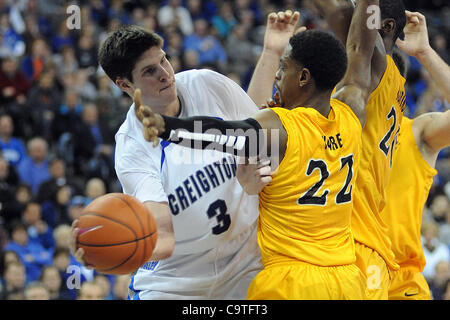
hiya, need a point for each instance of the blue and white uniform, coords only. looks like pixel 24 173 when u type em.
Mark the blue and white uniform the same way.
pixel 216 254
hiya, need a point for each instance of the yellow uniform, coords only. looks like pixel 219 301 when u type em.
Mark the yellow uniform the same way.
pixel 384 112
pixel 407 193
pixel 307 247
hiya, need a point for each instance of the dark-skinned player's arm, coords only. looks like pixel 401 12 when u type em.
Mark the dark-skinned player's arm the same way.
pixel 338 15
pixel 354 89
pixel 247 138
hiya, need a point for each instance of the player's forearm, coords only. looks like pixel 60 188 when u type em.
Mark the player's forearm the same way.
pixel 438 69
pixel 261 84
pixel 166 238
pixel 240 138
pixel 338 16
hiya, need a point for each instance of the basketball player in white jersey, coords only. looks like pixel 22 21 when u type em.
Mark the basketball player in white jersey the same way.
pixel 206 223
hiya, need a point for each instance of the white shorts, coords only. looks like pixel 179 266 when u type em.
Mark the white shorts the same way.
pixel 223 273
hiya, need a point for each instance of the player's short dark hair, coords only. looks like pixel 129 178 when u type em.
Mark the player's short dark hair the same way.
pixel 120 50
pixel 322 54
pixel 394 9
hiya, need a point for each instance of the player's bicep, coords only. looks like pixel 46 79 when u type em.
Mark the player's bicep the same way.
pixel 436 131
pixel 275 135
pixel 164 227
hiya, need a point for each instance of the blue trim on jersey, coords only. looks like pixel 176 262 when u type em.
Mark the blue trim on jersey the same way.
pixel 164 144
pixel 136 292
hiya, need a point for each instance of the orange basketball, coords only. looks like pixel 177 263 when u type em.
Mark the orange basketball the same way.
pixel 117 233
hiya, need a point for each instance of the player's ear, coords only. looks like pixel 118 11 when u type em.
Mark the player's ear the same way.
pixel 125 85
pixel 304 77
pixel 388 26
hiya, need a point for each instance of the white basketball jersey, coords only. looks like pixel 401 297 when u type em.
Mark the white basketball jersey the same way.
pixel 216 253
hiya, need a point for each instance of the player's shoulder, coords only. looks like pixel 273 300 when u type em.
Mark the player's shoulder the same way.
pixel 197 76
pixel 129 135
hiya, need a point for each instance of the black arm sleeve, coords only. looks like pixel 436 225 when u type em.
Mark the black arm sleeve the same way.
pixel 242 138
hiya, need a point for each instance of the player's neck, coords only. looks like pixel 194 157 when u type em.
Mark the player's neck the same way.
pixel 173 109
pixel 320 102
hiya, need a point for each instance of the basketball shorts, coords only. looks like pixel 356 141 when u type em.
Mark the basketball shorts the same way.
pixel 376 271
pixel 303 281
pixel 407 284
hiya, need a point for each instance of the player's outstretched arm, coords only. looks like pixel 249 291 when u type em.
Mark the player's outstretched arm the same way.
pixel 166 237
pixel 354 89
pixel 337 14
pixel 417 44
pixel 280 27
pixel 433 131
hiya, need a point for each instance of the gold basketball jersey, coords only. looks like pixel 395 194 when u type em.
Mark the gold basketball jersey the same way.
pixel 305 211
pixel 407 192
pixel 384 112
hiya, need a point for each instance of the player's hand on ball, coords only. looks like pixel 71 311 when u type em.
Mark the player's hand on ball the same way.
pixel 153 122
pixel 254 175
pixel 77 253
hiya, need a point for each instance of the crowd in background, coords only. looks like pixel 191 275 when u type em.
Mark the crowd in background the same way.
pixel 59 113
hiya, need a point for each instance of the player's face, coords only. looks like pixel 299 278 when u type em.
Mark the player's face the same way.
pixel 286 79
pixel 154 75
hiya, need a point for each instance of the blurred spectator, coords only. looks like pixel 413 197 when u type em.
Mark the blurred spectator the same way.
pixel 44 100
pixel 439 43
pixel 103 281
pixel 62 38
pixel 12 148
pixel 76 206
pixel 14 281
pixel 440 206
pixel 86 52
pixel 86 90
pixel 438 285
pixel 195 8
pixel 434 250
pixel 51 278
pixel 94 145
pixel 32 254
pixel 68 117
pixel 66 61
pixel 225 21
pixel 120 288
pixel 12 44
pixel 91 291
pixel 38 230
pixel 13 207
pixel 62 261
pixel 208 47
pixel 242 53
pixel 33 169
pixel 95 188
pixel 444 230
pixel 55 209
pixel 14 85
pixel 33 64
pixel 58 178
pixel 173 14
pixel 36 291
pixel 7 256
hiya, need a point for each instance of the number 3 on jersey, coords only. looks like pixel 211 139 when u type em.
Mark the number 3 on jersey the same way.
pixel 309 198
pixel 218 209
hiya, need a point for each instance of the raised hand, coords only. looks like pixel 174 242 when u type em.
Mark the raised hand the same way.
pixel 416 40
pixel 280 28
pixel 153 122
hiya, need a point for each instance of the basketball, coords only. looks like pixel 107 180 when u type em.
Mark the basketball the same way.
pixel 117 232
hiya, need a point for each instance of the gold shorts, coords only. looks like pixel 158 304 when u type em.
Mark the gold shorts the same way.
pixel 303 281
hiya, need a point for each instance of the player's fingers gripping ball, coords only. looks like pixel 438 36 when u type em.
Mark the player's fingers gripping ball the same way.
pixel 117 233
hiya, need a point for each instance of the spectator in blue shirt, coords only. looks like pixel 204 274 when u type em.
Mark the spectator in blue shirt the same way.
pixel 11 148
pixel 33 169
pixel 32 254
pixel 209 49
